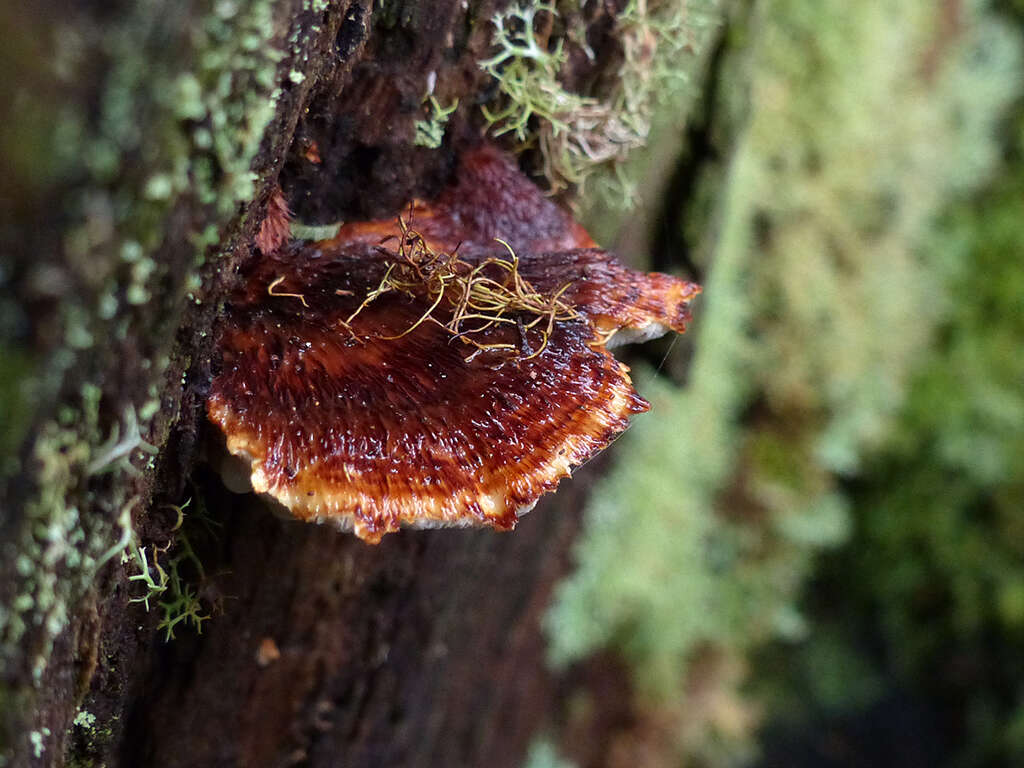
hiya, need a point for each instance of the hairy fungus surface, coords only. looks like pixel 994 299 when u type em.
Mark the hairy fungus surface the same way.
pixel 422 372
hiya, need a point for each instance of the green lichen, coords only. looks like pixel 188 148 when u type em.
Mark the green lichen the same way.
pixel 821 295
pixel 542 754
pixel 314 232
pixel 578 133
pixel 59 457
pixel 92 735
pixel 674 546
pixel 853 197
pixel 935 569
pixel 204 117
pixel 176 126
pixel 84 720
pixel 430 132
pixel 63 551
pixel 36 738
pixel 237 72
pixel 166 583
pixel 527 74
pixel 115 453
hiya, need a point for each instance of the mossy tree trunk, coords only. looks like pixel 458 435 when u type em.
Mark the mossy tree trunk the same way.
pixel 143 143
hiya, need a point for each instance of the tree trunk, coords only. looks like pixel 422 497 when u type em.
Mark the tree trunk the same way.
pixel 425 650
pixel 321 650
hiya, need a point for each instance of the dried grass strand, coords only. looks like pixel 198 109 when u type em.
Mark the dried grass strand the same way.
pixel 493 292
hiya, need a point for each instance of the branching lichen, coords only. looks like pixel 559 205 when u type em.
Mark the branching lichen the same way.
pixel 168 583
pixel 116 452
pixel 430 132
pixel 577 133
pixel 65 457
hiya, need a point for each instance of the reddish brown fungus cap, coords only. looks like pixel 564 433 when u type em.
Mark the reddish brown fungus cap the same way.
pixel 359 399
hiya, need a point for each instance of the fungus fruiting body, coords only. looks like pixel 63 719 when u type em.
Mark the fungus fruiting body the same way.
pixel 444 369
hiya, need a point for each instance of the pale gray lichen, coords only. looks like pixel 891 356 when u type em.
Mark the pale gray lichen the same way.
pixel 578 133
pixel 842 267
pixel 84 719
pixel 430 132
pixel 36 740
pixel 543 754
pixel 315 232
pixel 93 735
pixel 179 124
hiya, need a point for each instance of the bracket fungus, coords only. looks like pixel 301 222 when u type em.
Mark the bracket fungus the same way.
pixel 444 369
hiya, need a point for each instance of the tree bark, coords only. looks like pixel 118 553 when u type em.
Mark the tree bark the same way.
pixel 426 650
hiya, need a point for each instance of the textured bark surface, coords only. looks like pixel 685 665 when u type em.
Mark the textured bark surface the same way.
pixel 425 650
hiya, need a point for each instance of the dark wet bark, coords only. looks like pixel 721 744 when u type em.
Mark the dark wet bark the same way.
pixel 423 651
